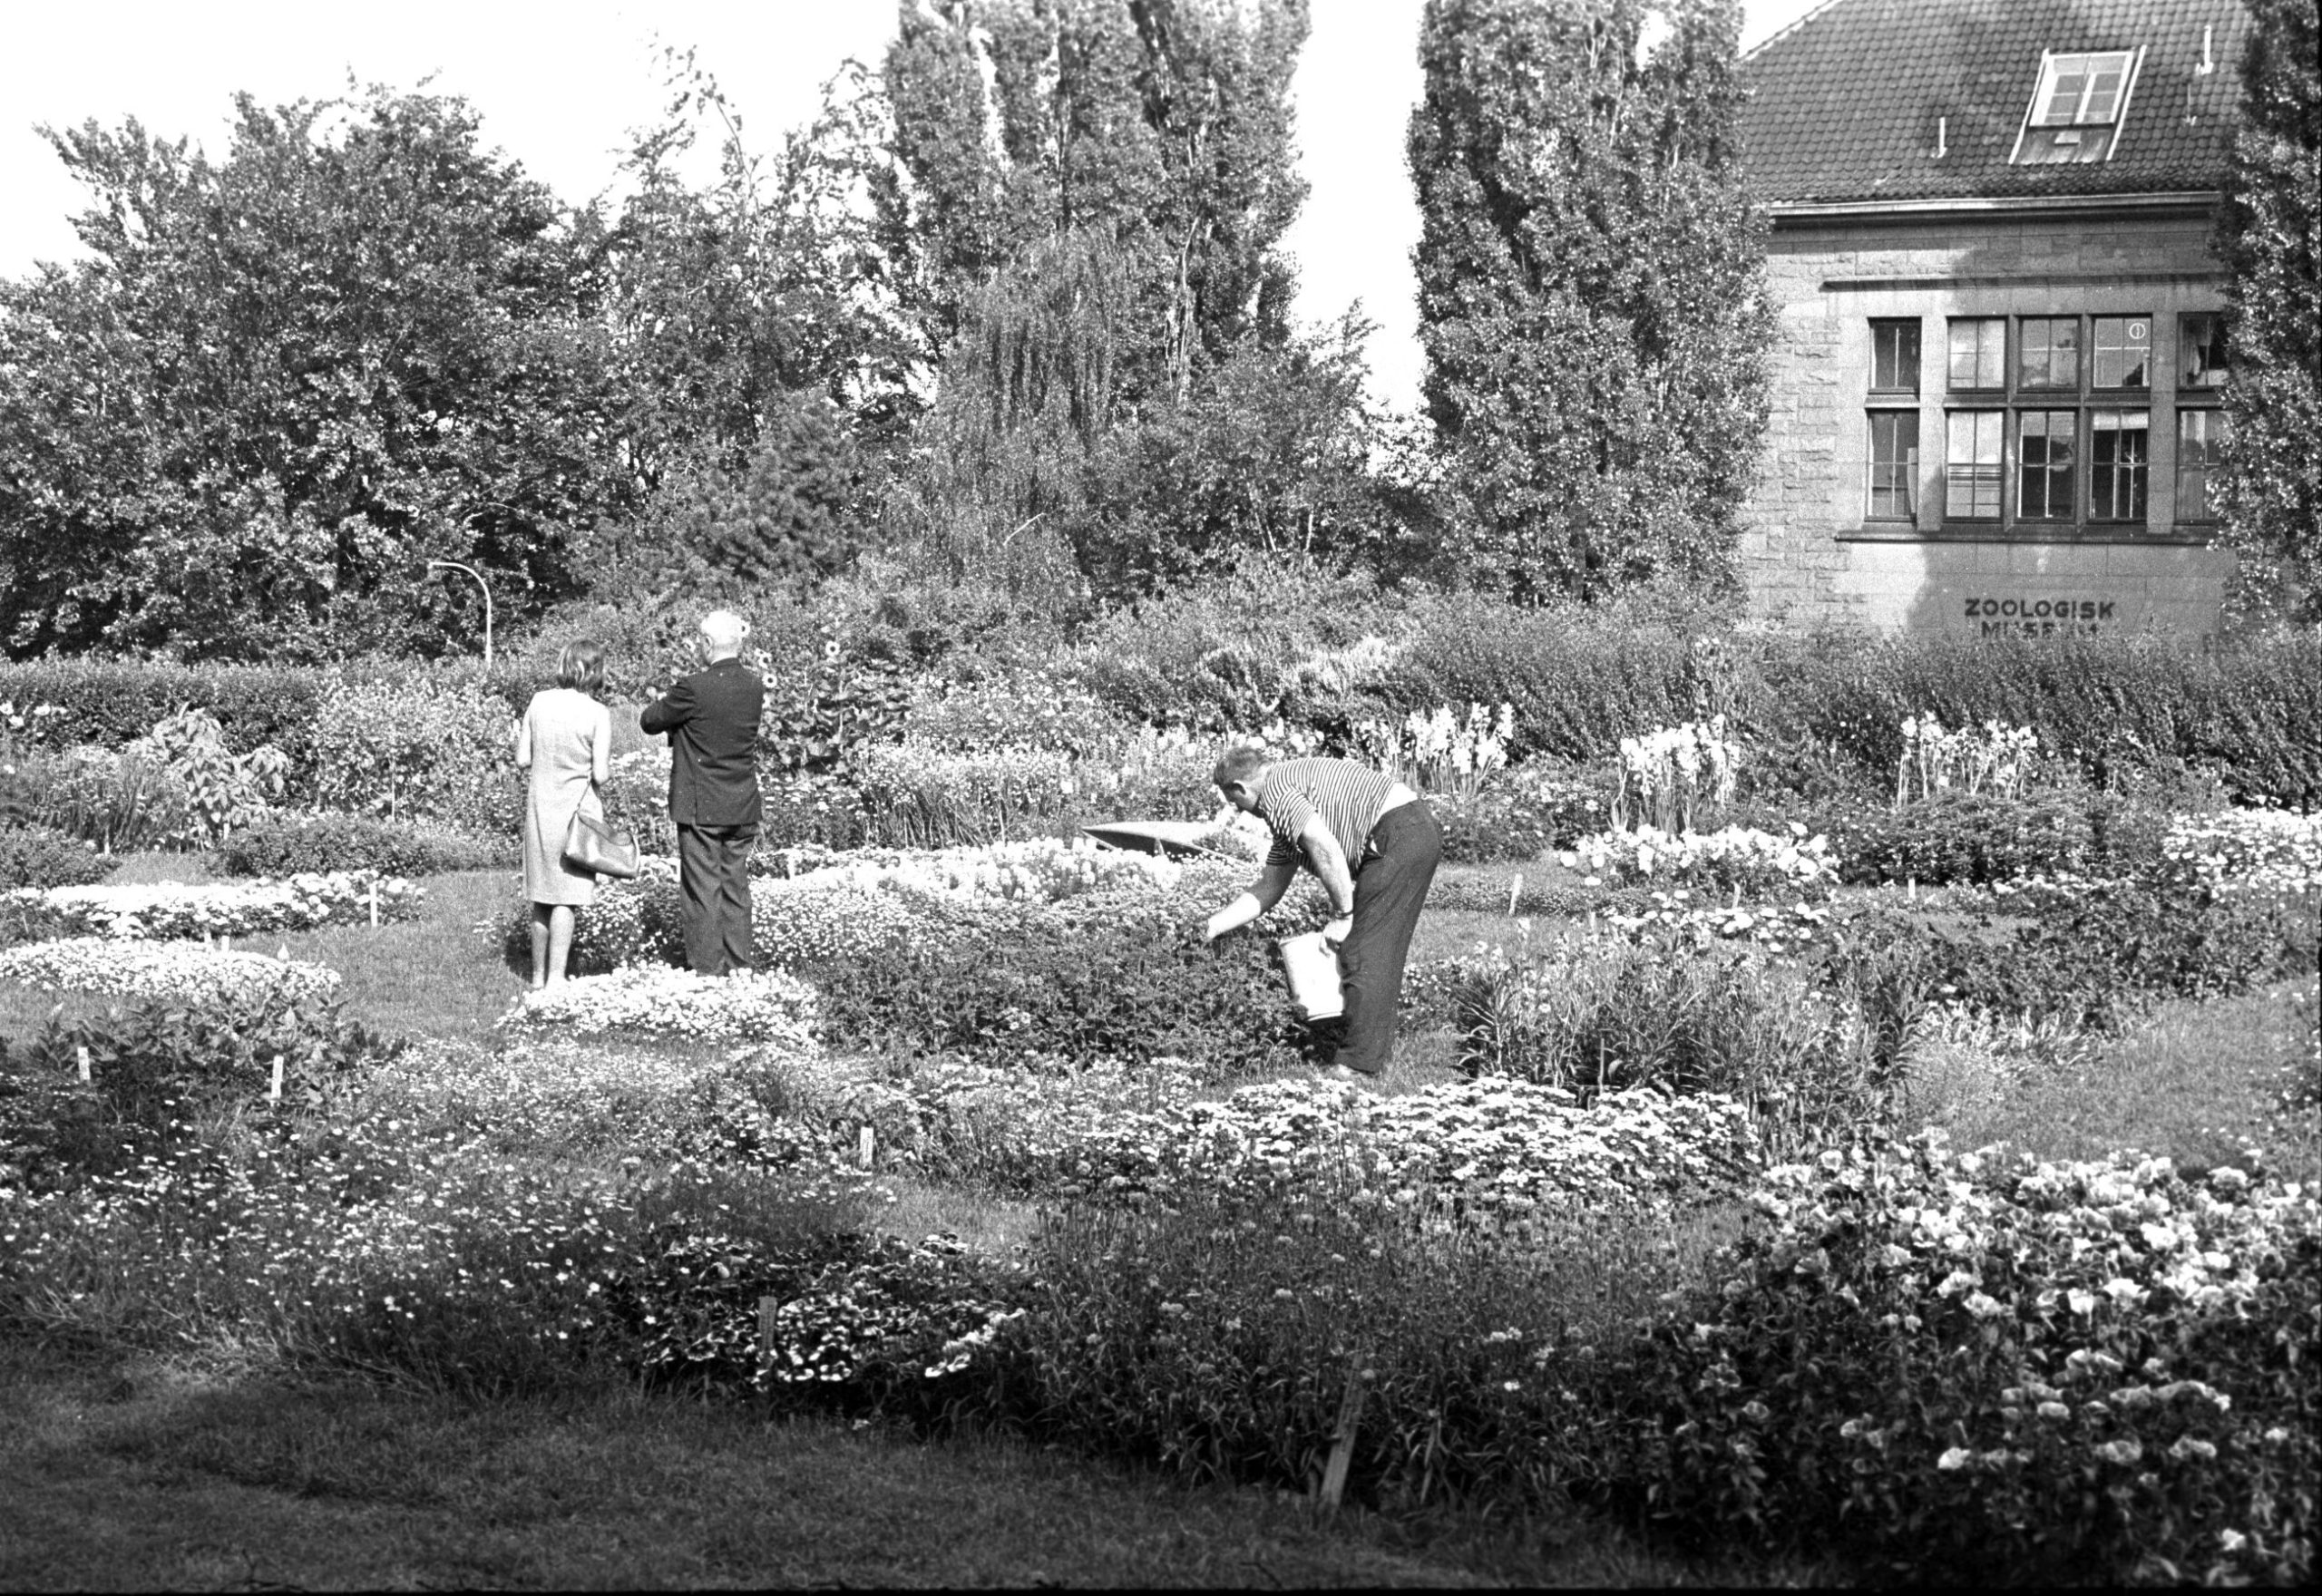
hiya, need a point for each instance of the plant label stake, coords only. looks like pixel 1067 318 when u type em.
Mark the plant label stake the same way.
pixel 1342 1442
pixel 84 1054
pixel 274 1089
pixel 1515 888
pixel 863 1146
pixel 374 905
pixel 767 1304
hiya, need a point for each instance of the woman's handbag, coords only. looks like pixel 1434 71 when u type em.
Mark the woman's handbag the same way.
pixel 591 845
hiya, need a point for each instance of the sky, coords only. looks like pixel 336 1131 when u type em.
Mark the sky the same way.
pixel 558 85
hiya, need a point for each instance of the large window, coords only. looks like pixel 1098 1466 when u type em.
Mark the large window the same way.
pixel 2201 440
pixel 1972 464
pixel 2116 464
pixel 2047 420
pixel 2201 351
pixel 1894 464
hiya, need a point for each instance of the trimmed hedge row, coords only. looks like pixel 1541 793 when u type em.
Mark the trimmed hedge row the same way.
pixel 1817 707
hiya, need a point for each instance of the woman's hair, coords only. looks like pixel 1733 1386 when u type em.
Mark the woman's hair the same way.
pixel 580 665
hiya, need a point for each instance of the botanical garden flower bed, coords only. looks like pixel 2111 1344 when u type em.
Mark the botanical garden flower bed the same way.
pixel 165 910
pixel 186 972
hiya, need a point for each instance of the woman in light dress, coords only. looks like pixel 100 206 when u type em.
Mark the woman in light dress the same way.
pixel 566 741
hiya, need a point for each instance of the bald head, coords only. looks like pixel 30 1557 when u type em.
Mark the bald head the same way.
pixel 722 632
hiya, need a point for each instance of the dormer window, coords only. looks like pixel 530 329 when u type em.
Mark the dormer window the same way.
pixel 2077 110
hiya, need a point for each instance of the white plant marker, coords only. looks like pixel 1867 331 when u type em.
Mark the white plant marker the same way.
pixel 83 1052
pixel 274 1091
pixel 863 1146
pixel 375 903
pixel 1514 889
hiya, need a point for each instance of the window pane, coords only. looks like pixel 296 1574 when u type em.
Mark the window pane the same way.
pixel 1979 353
pixel 2044 462
pixel 2123 352
pixel 1894 357
pixel 2116 464
pixel 1971 464
pixel 2200 439
pixel 2201 351
pixel 2103 98
pixel 1894 464
pixel 2069 80
pixel 2049 352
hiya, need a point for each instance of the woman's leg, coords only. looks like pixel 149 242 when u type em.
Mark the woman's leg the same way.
pixel 560 942
pixel 540 945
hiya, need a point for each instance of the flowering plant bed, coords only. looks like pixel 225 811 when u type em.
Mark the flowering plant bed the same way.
pixel 2248 849
pixel 654 1001
pixel 1737 856
pixel 186 972
pixel 165 910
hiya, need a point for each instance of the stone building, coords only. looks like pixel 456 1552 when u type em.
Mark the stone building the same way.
pixel 1996 389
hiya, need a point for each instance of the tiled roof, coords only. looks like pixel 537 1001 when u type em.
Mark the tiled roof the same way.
pixel 1844 104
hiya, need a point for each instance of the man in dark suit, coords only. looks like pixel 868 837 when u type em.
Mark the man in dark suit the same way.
pixel 712 719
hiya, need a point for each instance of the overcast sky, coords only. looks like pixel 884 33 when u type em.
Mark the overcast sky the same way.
pixel 559 85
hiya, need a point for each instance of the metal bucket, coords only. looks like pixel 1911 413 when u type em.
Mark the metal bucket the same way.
pixel 1311 965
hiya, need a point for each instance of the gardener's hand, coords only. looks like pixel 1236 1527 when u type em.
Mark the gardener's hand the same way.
pixel 1335 932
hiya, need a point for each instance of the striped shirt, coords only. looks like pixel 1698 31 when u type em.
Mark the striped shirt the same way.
pixel 1346 796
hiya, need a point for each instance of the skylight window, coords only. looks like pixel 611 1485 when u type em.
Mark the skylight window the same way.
pixel 2077 110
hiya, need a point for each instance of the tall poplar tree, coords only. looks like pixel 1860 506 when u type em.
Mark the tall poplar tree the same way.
pixel 2270 234
pixel 1592 306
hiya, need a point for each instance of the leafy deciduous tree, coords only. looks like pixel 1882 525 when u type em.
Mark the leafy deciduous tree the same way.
pixel 1591 303
pixel 2270 234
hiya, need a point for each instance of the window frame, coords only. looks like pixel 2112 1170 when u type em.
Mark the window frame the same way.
pixel 2214 424
pixel 2079 123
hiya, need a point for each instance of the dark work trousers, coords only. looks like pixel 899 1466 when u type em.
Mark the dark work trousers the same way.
pixel 1390 886
pixel 713 874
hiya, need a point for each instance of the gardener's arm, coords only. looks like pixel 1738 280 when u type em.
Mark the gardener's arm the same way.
pixel 1263 894
pixel 670 711
pixel 1327 859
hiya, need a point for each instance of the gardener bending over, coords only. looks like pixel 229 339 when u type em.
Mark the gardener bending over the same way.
pixel 1374 847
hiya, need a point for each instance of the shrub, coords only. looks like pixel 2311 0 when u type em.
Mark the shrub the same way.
pixel 112 703
pixel 427 748
pixel 1966 1372
pixel 916 796
pixel 118 800
pixel 1588 1017
pixel 223 790
pixel 36 856
pixel 1963 837
pixel 158 1066
pixel 293 844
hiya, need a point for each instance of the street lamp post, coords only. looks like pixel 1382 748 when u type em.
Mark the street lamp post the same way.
pixel 455 565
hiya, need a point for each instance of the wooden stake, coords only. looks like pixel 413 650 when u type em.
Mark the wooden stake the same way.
pixel 1342 1442
pixel 767 1304
pixel 274 1091
pixel 374 905
pixel 1515 888
pixel 84 1054
pixel 863 1144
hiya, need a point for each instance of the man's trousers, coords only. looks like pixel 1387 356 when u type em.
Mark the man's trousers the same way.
pixel 714 876
pixel 1390 884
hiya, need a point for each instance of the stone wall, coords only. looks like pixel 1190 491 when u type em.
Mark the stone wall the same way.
pixel 1807 554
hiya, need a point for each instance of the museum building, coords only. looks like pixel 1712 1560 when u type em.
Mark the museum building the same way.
pixel 1994 401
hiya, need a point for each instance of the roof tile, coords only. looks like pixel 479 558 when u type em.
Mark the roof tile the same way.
pixel 1844 104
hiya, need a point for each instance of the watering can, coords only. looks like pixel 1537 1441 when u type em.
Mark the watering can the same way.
pixel 1311 965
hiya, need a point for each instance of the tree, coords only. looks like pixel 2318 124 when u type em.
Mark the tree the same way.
pixel 1592 306
pixel 286 380
pixel 1161 127
pixel 2269 233
pixel 734 304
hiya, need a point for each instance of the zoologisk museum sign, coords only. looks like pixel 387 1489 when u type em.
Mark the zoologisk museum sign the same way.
pixel 2030 616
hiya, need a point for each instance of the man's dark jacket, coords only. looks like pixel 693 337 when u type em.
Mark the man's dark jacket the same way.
pixel 712 719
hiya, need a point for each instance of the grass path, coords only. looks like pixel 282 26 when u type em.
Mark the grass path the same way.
pixel 144 1477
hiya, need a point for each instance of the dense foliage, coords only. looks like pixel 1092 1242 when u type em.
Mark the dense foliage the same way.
pixel 1591 301
pixel 2270 234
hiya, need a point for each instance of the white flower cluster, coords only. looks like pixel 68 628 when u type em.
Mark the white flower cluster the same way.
pixel 165 910
pixel 183 971
pixel 1777 928
pixel 652 1000
pixel 2262 850
pixel 1440 752
pixel 1934 760
pixel 1041 870
pixel 1736 856
pixel 1674 777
